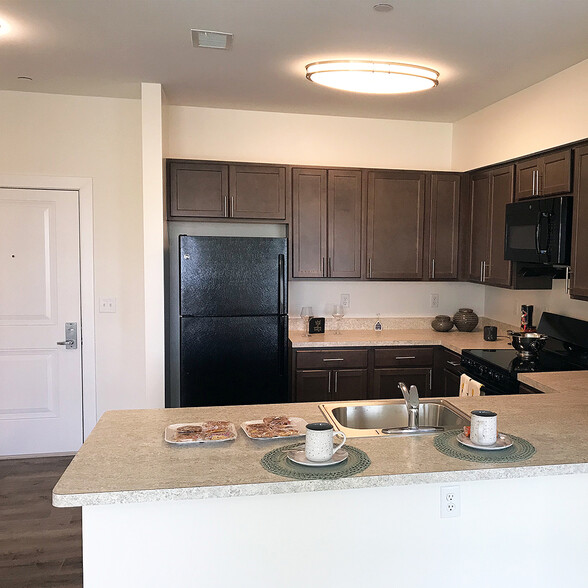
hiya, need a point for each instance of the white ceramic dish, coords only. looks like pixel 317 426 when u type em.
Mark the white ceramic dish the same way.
pixel 296 422
pixel 298 456
pixel 502 442
pixel 170 434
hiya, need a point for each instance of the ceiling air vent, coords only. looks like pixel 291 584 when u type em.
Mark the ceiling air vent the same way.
pixel 211 39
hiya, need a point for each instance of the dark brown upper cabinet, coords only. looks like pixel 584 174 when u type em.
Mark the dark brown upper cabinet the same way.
pixel 443 225
pixel 490 191
pixel 579 269
pixel 545 175
pixel 231 191
pixel 395 225
pixel 326 223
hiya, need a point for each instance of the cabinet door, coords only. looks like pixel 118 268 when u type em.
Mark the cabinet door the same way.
pixel 257 191
pixel 350 384
pixel 451 381
pixel 498 270
pixel 313 385
pixel 557 175
pixel 443 226
pixel 344 224
pixel 386 381
pixel 395 225
pixel 197 189
pixel 480 198
pixel 309 223
pixel 526 178
pixel 579 278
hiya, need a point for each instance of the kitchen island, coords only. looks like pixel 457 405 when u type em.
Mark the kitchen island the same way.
pixel 156 514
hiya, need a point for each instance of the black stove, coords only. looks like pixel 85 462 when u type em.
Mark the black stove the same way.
pixel 565 350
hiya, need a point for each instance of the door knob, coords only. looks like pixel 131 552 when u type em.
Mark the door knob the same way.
pixel 71 336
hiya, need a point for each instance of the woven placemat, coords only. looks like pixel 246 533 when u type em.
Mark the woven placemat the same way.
pixel 448 444
pixel 278 463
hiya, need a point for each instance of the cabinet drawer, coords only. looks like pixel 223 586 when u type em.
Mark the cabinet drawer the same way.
pixel 451 361
pixel 335 359
pixel 403 356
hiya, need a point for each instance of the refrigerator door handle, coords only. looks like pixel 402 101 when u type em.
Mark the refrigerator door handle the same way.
pixel 281 285
pixel 282 346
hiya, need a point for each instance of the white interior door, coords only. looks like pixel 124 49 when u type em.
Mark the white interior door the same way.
pixel 40 381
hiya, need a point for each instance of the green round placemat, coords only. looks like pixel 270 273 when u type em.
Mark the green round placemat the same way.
pixel 277 462
pixel 448 444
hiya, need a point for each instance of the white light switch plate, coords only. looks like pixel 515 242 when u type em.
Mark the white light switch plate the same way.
pixel 107 305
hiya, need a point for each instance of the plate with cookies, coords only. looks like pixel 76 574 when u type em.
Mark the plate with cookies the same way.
pixel 275 427
pixel 206 432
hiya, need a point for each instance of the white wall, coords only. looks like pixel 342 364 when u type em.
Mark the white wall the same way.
pixel 389 299
pixel 233 135
pixel 100 138
pixel 550 113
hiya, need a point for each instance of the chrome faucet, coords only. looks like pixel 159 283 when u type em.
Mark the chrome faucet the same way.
pixel 411 397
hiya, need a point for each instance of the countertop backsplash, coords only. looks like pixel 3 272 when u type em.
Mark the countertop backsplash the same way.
pixel 389 323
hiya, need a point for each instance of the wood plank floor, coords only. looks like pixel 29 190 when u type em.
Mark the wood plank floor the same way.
pixel 40 545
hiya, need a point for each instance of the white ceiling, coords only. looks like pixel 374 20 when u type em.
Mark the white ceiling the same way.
pixel 485 50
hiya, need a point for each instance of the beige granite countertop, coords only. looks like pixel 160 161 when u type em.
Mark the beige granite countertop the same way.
pixel 455 340
pixel 557 382
pixel 126 459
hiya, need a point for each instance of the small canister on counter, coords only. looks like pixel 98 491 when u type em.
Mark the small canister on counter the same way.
pixel 527 318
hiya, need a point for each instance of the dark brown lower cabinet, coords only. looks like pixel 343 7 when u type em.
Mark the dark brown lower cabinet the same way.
pixel 386 381
pixel 447 373
pixel 331 385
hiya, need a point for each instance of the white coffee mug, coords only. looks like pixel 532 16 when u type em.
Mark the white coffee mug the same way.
pixel 483 430
pixel 319 441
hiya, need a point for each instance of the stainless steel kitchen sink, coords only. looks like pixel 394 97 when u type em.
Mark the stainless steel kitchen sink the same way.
pixel 367 418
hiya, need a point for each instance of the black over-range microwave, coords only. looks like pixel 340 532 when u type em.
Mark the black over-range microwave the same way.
pixel 539 230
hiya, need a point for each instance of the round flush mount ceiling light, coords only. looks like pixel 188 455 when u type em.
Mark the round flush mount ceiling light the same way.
pixel 372 77
pixel 4 28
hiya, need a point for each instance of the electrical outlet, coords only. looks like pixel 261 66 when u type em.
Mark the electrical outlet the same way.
pixel 450 502
pixel 107 304
pixel 345 300
pixel 434 300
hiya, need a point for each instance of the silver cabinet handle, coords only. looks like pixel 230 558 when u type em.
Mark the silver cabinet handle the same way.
pixel 406 357
pixel 232 206
pixel 370 267
pixel 568 279
pixel 329 383
pixel 329 268
pixel 433 269
pixel 333 359
pixel 323 267
pixel 481 271
pixel 336 381
pixel 454 363
pixel 227 206
pixel 533 188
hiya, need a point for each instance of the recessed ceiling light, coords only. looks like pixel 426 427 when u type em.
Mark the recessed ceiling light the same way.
pixel 211 39
pixel 383 7
pixel 372 77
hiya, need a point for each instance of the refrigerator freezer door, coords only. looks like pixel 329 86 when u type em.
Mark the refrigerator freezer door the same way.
pixel 233 360
pixel 232 276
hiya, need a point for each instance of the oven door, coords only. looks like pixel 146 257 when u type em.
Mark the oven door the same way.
pixel 539 231
pixel 492 389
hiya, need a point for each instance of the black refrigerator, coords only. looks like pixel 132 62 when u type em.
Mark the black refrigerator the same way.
pixel 233 320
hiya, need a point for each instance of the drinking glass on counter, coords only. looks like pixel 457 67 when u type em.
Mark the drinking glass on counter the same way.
pixel 338 314
pixel 305 314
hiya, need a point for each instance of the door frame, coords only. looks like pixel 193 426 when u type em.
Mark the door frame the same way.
pixel 84 188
